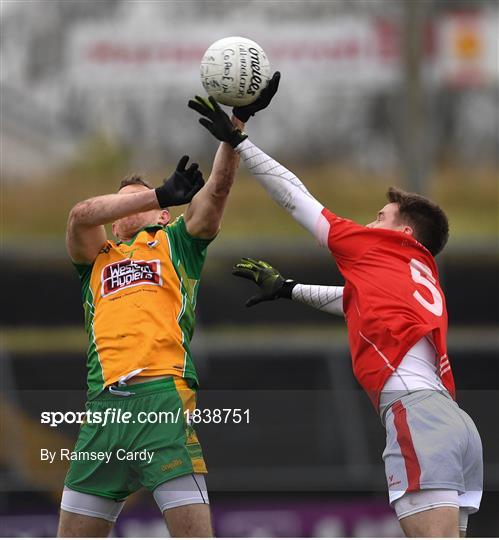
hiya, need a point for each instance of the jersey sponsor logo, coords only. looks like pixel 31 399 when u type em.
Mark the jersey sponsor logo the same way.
pixel 127 273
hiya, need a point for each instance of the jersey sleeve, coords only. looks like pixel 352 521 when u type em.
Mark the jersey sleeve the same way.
pixel 285 188
pixel 347 240
pixel 187 249
pixel 84 273
pixel 323 297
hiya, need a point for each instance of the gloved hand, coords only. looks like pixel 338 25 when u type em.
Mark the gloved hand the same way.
pixel 216 121
pixel 272 284
pixel 182 185
pixel 263 100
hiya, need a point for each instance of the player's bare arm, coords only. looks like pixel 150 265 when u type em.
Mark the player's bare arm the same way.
pixel 272 286
pixel 86 234
pixel 204 214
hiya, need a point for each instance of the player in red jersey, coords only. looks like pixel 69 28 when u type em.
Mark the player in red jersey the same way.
pixel 397 324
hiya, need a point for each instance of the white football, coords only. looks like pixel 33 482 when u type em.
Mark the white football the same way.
pixel 234 70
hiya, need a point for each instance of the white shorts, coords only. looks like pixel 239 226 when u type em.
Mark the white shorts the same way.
pixel 180 491
pixel 432 444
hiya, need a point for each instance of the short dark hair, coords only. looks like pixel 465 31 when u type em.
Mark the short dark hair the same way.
pixel 427 219
pixel 133 180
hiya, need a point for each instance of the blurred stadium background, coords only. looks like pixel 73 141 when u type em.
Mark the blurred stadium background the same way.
pixel 373 93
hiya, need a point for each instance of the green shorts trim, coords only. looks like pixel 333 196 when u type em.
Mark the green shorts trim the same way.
pixel 138 440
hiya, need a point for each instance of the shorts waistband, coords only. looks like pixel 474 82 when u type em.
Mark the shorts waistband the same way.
pixel 129 391
pixel 387 399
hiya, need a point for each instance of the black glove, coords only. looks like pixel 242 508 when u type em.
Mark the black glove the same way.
pixel 216 121
pixel 272 284
pixel 263 100
pixel 182 185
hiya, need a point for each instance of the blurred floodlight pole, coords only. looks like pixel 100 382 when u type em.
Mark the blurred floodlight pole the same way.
pixel 414 155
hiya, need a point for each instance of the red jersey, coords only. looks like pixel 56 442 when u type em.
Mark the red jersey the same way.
pixel 391 300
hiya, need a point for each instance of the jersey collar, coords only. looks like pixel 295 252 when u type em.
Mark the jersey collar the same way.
pixel 134 237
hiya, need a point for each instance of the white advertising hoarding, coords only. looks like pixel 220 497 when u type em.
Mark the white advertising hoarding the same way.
pixel 347 51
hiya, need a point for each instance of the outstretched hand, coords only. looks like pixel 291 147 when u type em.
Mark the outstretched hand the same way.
pixel 181 186
pixel 263 100
pixel 216 121
pixel 272 285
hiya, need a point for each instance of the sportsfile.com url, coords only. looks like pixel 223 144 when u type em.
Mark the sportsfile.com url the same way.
pixel 112 415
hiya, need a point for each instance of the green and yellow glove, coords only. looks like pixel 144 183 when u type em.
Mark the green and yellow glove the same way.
pixel 272 285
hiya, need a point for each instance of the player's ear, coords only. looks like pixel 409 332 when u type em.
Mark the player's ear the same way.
pixel 408 230
pixel 164 217
pixel 113 228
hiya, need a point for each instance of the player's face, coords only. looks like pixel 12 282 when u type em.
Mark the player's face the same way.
pixel 125 228
pixel 388 218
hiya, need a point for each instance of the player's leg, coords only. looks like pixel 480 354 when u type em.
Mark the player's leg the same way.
pixel 185 506
pixel 429 513
pixel 437 523
pixel 79 526
pixel 191 521
pixel 176 468
pixel 95 490
pixel 85 515
pixel 470 500
pixel 425 437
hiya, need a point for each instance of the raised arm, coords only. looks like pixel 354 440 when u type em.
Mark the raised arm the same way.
pixel 85 234
pixel 285 189
pixel 204 214
pixel 282 185
pixel 273 286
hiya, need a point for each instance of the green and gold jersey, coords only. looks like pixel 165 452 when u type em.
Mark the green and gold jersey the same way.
pixel 139 299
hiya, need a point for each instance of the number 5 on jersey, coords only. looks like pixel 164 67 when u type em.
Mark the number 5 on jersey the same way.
pixel 421 274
